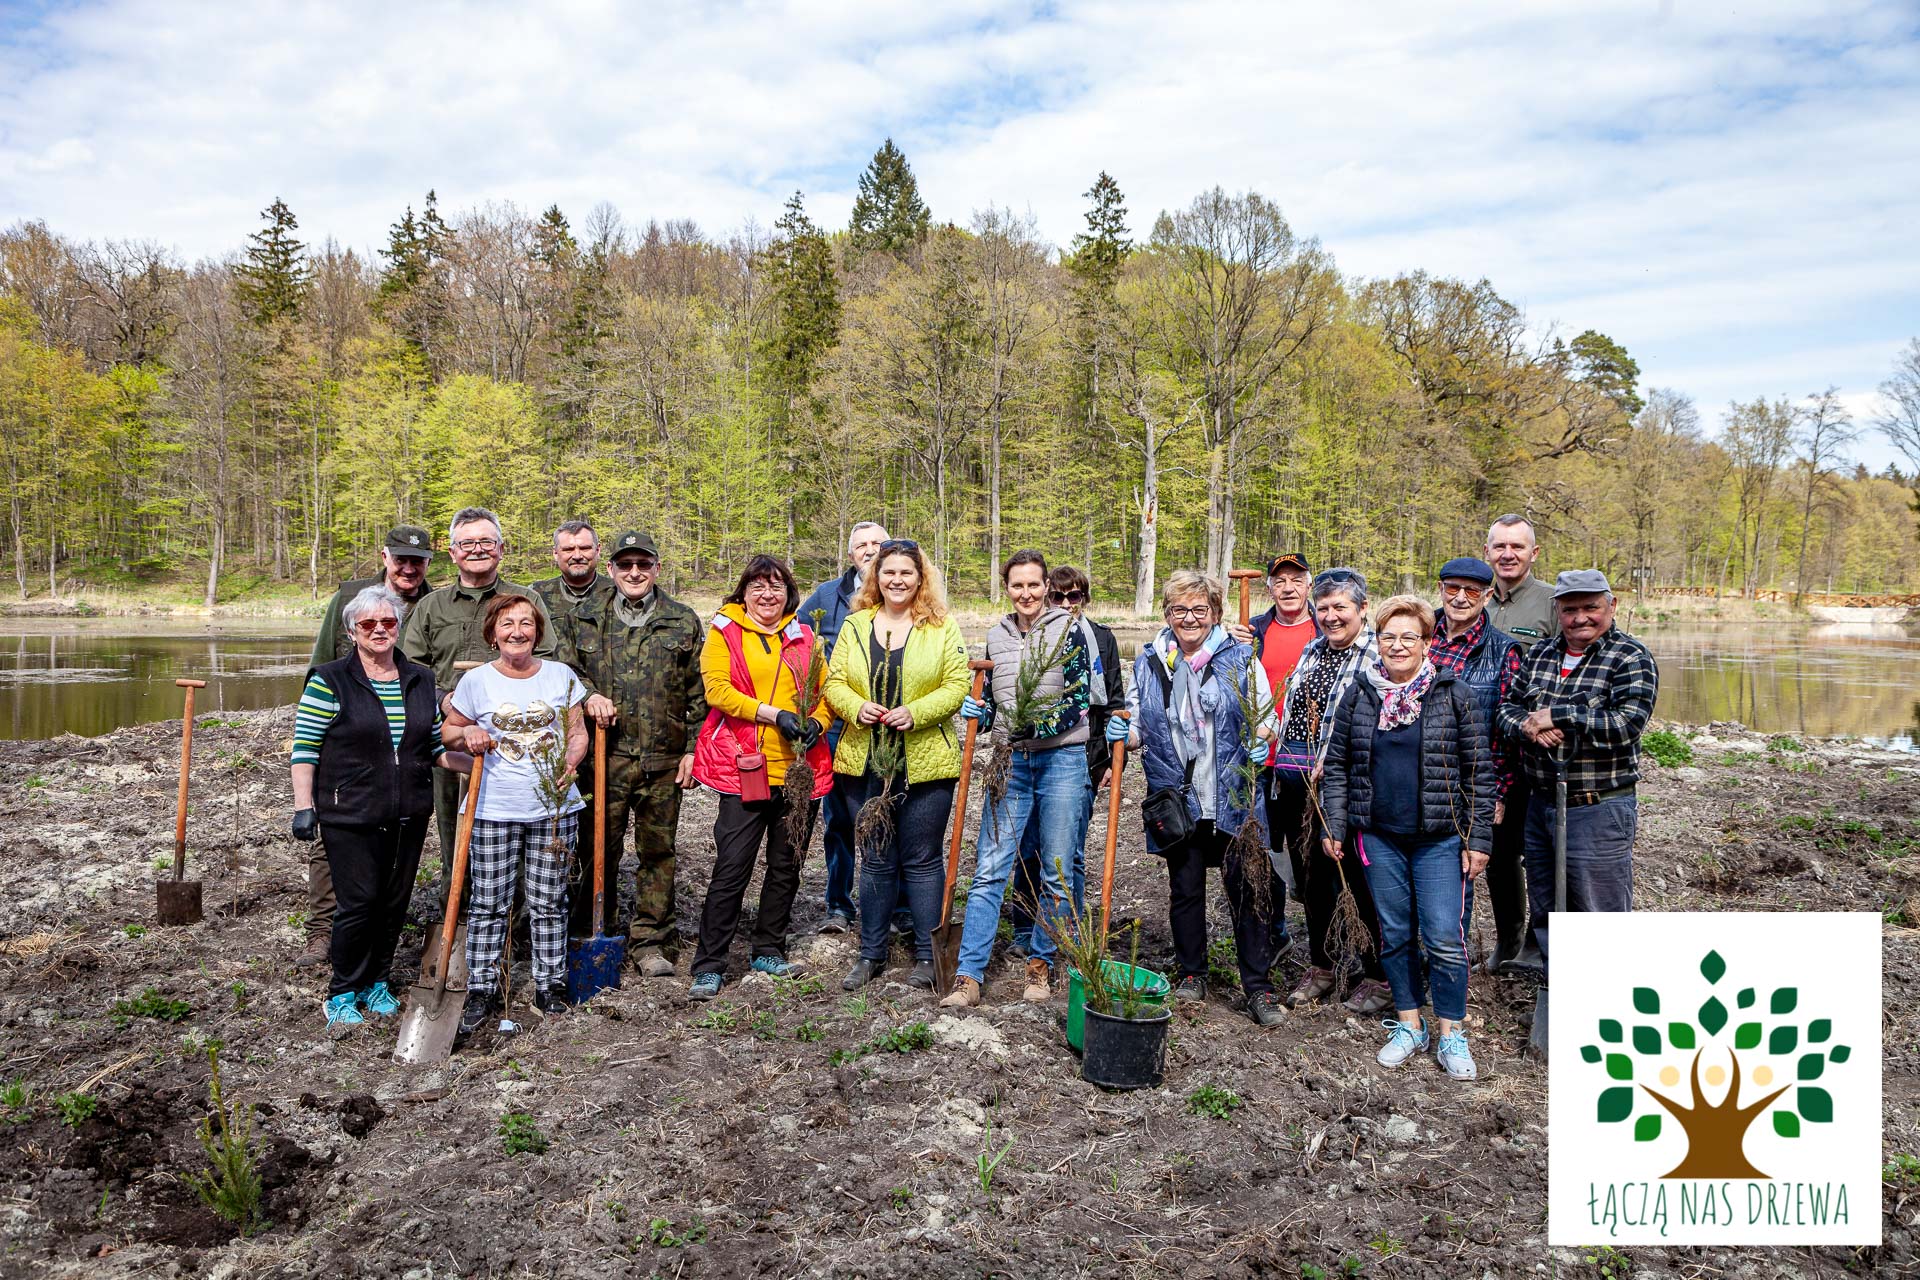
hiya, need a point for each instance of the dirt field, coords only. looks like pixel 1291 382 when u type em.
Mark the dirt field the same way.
pixel 723 1140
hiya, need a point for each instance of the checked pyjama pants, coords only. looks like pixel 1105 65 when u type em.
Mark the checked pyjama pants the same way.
pixel 495 857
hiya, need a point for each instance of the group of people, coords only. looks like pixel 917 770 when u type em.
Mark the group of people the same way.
pixel 1369 760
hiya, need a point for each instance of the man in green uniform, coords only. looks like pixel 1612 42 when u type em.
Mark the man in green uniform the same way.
pixel 403 568
pixel 444 628
pixel 1522 605
pixel 638 653
pixel 576 550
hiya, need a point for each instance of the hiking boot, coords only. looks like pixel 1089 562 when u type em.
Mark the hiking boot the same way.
pixel 380 1001
pixel 863 972
pixel 705 986
pixel 1019 947
pixel 553 999
pixel 965 994
pixel 319 950
pixel 837 922
pixel 775 966
pixel 343 1014
pixel 1191 989
pixel 1502 955
pixel 1039 981
pixel 1369 996
pixel 1264 1008
pixel 652 962
pixel 1454 1057
pixel 474 1012
pixel 1529 963
pixel 1314 984
pixel 922 975
pixel 1403 1042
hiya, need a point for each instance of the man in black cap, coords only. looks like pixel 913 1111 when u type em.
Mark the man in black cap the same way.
pixel 403 561
pixel 1578 707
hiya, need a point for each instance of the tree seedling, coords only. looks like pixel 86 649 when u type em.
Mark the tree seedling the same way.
pixel 989 1160
pixel 231 1185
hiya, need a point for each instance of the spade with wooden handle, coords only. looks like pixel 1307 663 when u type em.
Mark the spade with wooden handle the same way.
pixel 1113 827
pixel 1245 577
pixel 431 1021
pixel 177 901
pixel 946 935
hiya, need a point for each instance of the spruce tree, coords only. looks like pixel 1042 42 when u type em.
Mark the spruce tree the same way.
pixel 1098 254
pixel 806 299
pixel 274 279
pixel 888 214
pixel 1100 250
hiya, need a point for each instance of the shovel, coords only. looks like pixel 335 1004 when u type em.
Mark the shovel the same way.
pixel 1537 1041
pixel 595 964
pixel 1244 578
pixel 946 935
pixel 431 1021
pixel 177 901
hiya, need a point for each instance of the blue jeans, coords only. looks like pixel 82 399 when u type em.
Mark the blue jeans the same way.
pixel 1053 785
pixel 909 872
pixel 836 838
pixel 1599 857
pixel 1026 875
pixel 1417 879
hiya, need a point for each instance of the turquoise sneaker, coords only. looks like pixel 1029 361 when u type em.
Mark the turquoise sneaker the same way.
pixel 706 986
pixel 778 966
pixel 1454 1058
pixel 1402 1044
pixel 380 1001
pixel 343 1013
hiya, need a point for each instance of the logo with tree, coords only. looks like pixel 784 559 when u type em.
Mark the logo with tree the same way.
pixel 1731 1080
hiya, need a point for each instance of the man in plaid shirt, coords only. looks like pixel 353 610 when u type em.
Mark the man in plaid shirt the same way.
pixel 1583 697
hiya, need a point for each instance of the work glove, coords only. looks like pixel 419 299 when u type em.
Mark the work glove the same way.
pixel 1118 727
pixel 971 708
pixel 806 731
pixel 306 824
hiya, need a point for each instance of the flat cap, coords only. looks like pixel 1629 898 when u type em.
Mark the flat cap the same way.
pixel 410 540
pixel 1467 569
pixel 636 541
pixel 1581 582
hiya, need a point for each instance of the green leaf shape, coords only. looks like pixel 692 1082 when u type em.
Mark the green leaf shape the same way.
pixel 1680 1035
pixel 1816 1104
pixel 1818 1030
pixel 1713 1015
pixel 1745 998
pixel 1783 1040
pixel 1590 1053
pixel 1646 1128
pixel 1617 1104
pixel 1712 967
pixel 1810 1066
pixel 1786 1124
pixel 1840 1053
pixel 1785 999
pixel 1646 1000
pixel 1610 1030
pixel 1619 1066
pixel 1646 1040
pixel 1747 1036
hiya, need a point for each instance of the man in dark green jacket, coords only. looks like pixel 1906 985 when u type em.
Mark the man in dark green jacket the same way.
pixel 576 549
pixel 638 653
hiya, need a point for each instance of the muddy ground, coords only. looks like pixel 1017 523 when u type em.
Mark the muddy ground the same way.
pixel 724 1140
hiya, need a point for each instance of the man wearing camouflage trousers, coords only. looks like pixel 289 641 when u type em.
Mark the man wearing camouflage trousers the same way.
pixel 638 653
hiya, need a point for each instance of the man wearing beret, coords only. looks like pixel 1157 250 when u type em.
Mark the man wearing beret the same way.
pixel 1578 707
pixel 638 653
pixel 403 570
pixel 1486 659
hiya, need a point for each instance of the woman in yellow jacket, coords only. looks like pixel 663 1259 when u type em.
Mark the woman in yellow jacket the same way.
pixel 753 664
pixel 898 674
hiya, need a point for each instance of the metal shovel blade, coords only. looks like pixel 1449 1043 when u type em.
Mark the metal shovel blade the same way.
pixel 594 966
pixel 1537 1041
pixel 177 901
pixel 946 955
pixel 432 1017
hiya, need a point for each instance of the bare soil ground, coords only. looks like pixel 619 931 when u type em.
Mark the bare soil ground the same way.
pixel 725 1140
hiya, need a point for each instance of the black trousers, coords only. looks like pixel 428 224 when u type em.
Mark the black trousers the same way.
pixel 1507 868
pixel 373 870
pixel 1318 879
pixel 737 836
pixel 1253 935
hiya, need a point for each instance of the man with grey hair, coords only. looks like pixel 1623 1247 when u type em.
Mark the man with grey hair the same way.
pixel 576 550
pixel 833 600
pixel 444 628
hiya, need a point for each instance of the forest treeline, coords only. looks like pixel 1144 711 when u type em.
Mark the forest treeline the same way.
pixel 1204 390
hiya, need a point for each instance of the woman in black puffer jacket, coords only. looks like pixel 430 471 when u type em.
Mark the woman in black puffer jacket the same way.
pixel 1410 786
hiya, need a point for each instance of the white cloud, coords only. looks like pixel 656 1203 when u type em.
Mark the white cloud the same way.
pixel 1729 193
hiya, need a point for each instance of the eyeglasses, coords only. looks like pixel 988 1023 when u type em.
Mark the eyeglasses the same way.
pixel 1462 590
pixel 1398 641
pixel 1186 612
pixel 476 544
pixel 371 625
pixel 635 565
pixel 1066 597
pixel 766 587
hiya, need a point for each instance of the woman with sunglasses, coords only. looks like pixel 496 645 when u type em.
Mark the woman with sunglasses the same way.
pixel 366 734
pixel 899 672
pixel 1409 786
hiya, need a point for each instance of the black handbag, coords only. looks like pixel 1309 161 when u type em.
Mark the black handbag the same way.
pixel 1164 813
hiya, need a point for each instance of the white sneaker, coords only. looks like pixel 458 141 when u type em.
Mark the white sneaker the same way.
pixel 1402 1044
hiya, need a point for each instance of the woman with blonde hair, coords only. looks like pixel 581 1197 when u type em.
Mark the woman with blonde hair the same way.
pixel 899 672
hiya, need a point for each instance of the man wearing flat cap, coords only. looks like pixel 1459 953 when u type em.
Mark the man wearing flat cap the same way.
pixel 1578 706
pixel 638 653
pixel 403 570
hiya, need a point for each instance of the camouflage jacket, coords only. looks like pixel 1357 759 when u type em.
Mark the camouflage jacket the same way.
pixel 444 628
pixel 334 640
pixel 651 672
pixel 559 603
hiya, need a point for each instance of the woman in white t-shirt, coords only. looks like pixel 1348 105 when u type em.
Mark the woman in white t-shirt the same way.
pixel 524 714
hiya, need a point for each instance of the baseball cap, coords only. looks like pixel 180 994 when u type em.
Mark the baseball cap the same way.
pixel 1467 569
pixel 1581 582
pixel 1287 560
pixel 410 540
pixel 633 540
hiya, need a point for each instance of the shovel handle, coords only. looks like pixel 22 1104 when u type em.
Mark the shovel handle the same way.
pixel 1113 828
pixel 599 827
pixel 186 760
pixel 1245 578
pixel 980 667
pixel 457 880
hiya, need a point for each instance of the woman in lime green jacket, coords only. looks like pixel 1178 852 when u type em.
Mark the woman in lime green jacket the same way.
pixel 898 675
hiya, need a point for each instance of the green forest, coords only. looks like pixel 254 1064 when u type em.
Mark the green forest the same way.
pixel 1202 386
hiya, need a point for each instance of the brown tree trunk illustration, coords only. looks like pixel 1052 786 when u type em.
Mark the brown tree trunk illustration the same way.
pixel 1715 1134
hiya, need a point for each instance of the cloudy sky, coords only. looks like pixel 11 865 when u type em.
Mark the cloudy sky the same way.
pixel 1731 191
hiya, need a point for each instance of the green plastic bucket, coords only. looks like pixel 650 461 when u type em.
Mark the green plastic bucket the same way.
pixel 1153 988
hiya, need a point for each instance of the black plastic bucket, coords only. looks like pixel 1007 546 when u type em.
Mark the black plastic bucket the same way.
pixel 1123 1054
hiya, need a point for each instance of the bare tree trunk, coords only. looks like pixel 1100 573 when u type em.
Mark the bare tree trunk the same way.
pixel 993 489
pixel 1146 566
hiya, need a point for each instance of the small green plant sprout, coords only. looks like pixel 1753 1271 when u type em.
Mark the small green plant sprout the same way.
pixel 1223 963
pixel 763 1026
pixel 910 1038
pixel 1610 1263
pixel 856 1006
pixel 809 1031
pixel 723 1018
pixel 135 931
pixel 75 1109
pixel 231 1185
pixel 239 990
pixel 163 863
pixel 788 990
pixel 661 1234
pixel 13 1102
pixel 1668 749
pixel 1902 1172
pixel 150 1004
pixel 1211 1100
pixel 519 1136
pixel 1385 1245
pixel 1785 742
pixel 297 919
pixel 989 1160
pixel 35 782
pixel 902 1197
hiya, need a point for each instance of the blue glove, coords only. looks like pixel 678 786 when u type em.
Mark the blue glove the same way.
pixel 972 709
pixel 1117 728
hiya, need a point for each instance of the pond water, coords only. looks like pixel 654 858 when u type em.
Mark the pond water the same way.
pixel 87 677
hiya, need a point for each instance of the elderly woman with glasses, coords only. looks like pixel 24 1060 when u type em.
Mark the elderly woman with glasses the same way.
pixel 1409 786
pixel 1327 668
pixel 366 735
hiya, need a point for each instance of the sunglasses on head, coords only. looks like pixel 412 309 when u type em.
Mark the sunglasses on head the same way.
pixel 899 544
pixel 1066 597
pixel 371 625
